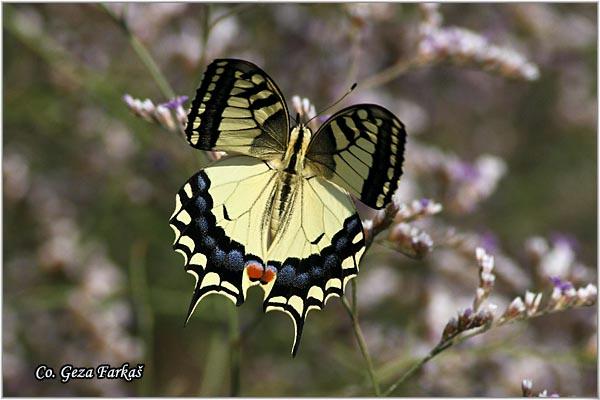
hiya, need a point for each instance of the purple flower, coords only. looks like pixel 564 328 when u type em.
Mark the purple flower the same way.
pixel 174 103
pixel 564 238
pixel 464 171
pixel 560 284
pixel 424 202
pixel 489 241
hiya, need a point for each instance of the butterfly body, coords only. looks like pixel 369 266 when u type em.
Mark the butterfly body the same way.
pixel 277 213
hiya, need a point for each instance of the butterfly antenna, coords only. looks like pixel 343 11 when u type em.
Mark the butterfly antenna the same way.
pixel 334 104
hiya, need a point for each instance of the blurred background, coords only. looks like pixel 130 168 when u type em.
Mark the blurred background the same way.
pixel 501 114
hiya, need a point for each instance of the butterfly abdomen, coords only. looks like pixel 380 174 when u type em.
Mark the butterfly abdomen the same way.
pixel 282 201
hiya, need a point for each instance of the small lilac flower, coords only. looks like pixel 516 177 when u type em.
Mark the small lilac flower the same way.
pixel 564 239
pixel 489 241
pixel 175 103
pixel 464 171
pixel 558 283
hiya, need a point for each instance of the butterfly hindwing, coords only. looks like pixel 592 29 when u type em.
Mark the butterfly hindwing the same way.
pixel 238 109
pixel 317 253
pixel 217 221
pixel 361 148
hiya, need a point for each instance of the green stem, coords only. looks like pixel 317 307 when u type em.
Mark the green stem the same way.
pixel 140 295
pixel 388 74
pixel 417 366
pixel 461 337
pixel 362 344
pixel 234 352
pixel 143 54
pixel 232 11
pixel 206 28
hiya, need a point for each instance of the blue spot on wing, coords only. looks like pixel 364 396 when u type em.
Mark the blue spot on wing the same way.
pixel 286 275
pixel 235 260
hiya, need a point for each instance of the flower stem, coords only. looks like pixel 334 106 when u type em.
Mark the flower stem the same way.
pixel 458 338
pixel 141 300
pixel 143 54
pixel 234 352
pixel 362 344
pixel 388 74
pixel 417 366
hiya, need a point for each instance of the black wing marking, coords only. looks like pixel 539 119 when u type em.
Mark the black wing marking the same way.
pixel 238 109
pixel 361 148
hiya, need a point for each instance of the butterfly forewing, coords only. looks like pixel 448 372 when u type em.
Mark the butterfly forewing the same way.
pixel 238 109
pixel 361 148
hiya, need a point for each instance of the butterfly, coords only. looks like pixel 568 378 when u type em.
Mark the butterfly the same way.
pixel 277 212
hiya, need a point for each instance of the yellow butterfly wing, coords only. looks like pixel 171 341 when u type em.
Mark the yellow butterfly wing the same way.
pixel 218 224
pixel 317 251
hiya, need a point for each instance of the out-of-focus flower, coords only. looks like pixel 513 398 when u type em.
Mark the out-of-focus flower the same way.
pixel 305 109
pixel 558 261
pixel 536 247
pixel 465 184
pixel 486 277
pixel 364 12
pixel 526 386
pixel 463 46
pixel 15 168
pixel 527 389
pixel 410 240
pixel 472 183
pixel 564 295
pixel 175 103
pixel 416 209
pixel 170 115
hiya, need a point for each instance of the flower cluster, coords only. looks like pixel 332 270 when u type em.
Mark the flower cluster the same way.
pixel 486 277
pixel 416 209
pixel 463 46
pixel 465 184
pixel 563 296
pixel 466 320
pixel 398 217
pixel 170 115
pixel 305 109
pixel 527 389
pixel 410 240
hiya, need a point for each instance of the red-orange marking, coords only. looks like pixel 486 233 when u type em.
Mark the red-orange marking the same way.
pixel 269 275
pixel 255 270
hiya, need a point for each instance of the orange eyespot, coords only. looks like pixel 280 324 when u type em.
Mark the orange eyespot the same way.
pixel 269 274
pixel 254 270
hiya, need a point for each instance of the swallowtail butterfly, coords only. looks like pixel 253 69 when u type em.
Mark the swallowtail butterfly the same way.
pixel 277 212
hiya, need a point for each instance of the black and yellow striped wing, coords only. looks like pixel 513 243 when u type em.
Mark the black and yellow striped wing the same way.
pixel 238 109
pixel 361 148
